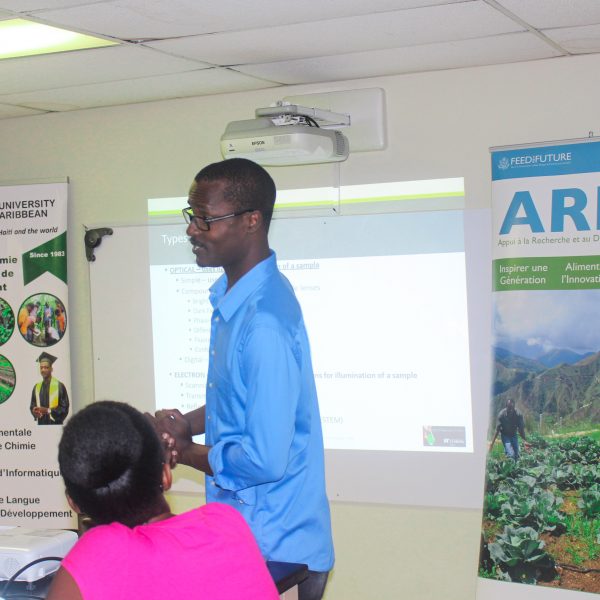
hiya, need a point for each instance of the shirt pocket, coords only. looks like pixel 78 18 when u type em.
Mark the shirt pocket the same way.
pixel 227 407
pixel 239 498
pixel 246 496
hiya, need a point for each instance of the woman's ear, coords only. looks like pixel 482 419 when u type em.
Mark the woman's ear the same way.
pixel 167 477
pixel 72 504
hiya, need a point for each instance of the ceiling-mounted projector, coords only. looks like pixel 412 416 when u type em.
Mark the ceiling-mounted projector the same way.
pixel 287 135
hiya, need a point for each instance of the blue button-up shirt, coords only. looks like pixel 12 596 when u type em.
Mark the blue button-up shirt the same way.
pixel 262 418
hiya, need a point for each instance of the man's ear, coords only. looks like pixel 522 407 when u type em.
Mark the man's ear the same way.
pixel 72 504
pixel 255 221
pixel 167 477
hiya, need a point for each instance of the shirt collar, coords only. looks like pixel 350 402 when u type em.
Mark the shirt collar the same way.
pixel 227 302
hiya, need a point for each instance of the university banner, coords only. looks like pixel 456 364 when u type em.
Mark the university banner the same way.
pixel 541 517
pixel 35 372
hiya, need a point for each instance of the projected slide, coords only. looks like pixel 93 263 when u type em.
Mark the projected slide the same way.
pixel 387 325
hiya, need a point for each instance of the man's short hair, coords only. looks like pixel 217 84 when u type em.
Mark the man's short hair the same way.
pixel 248 185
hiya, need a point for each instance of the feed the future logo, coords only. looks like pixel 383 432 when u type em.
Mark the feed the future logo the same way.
pixel 503 163
pixel 525 160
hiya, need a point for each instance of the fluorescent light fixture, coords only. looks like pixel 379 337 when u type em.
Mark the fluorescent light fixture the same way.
pixel 19 37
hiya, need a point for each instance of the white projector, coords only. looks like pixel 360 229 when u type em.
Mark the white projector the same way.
pixel 267 144
pixel 19 546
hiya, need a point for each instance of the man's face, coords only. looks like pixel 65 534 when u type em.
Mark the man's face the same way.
pixel 224 244
pixel 45 369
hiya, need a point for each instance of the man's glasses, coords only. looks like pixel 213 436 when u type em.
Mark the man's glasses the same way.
pixel 203 223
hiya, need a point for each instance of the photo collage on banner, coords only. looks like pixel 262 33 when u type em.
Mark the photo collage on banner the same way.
pixel 35 372
pixel 541 516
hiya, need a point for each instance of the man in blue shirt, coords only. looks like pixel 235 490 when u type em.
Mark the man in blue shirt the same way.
pixel 264 447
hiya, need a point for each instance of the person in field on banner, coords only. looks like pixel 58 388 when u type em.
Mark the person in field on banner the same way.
pixel 116 472
pixel 60 321
pixel 510 425
pixel 49 398
pixel 26 321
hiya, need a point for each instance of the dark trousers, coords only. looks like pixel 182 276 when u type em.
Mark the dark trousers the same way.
pixel 313 587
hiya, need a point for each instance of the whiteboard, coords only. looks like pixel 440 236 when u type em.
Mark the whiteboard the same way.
pixel 123 342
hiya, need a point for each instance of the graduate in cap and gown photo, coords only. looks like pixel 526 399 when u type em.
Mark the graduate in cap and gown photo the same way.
pixel 49 398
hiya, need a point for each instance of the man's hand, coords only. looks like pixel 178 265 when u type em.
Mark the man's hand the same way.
pixel 174 430
pixel 40 411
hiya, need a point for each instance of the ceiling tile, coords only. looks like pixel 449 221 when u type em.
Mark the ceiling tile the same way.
pixel 332 8
pixel 28 5
pixel 543 14
pixel 135 19
pixel 369 32
pixel 448 55
pixel 66 69
pixel 141 19
pixel 577 40
pixel 130 91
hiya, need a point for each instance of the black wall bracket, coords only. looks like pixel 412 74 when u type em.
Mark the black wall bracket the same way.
pixel 92 239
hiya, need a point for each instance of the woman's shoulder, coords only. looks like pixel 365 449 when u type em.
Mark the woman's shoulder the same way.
pixel 215 511
pixel 217 517
pixel 106 541
pixel 104 536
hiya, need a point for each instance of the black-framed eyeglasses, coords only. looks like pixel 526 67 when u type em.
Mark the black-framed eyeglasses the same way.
pixel 203 223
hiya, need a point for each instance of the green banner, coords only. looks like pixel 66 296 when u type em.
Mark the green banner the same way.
pixel 50 257
pixel 547 273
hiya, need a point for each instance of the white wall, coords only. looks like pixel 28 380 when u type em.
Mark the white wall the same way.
pixel 439 125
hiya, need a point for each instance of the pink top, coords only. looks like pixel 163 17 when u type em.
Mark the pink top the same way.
pixel 208 553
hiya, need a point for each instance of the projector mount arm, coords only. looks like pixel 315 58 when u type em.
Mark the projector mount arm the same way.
pixel 284 113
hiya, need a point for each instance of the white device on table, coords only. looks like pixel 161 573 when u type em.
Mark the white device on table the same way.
pixel 20 546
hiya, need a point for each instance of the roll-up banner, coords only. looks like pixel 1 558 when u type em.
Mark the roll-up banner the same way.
pixel 35 372
pixel 541 517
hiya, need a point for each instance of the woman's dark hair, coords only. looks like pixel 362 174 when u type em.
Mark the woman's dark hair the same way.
pixel 111 461
pixel 248 185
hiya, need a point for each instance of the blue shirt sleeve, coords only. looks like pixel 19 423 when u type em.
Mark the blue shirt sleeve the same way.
pixel 271 376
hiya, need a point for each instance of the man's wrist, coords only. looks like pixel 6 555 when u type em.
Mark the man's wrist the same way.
pixel 185 454
pixel 196 456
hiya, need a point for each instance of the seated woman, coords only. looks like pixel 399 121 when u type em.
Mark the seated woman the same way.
pixel 115 472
